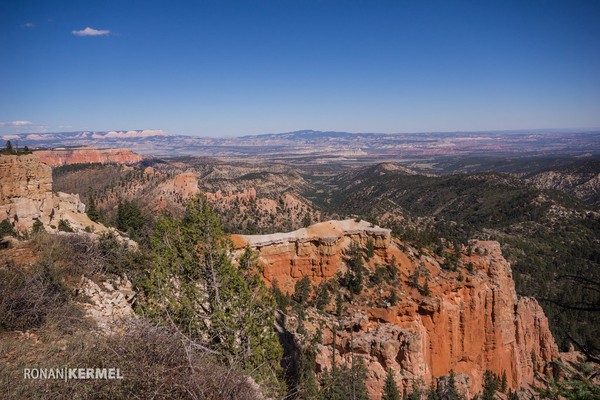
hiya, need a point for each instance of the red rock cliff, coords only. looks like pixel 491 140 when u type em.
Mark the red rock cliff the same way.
pixel 467 325
pixel 59 157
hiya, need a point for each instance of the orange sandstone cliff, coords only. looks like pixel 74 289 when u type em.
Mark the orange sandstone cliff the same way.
pixel 58 157
pixel 467 324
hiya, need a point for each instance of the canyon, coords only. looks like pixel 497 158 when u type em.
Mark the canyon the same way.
pixel 466 324
pixel 469 320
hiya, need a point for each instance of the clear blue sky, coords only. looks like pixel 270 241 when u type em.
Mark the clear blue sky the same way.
pixel 215 68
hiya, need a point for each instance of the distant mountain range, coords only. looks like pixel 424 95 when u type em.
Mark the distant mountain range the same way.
pixel 309 144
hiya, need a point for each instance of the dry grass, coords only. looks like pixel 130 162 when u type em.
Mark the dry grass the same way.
pixel 155 364
pixel 41 327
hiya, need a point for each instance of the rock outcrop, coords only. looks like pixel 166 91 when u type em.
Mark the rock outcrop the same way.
pixel 583 185
pixel 26 196
pixel 316 251
pixel 110 303
pixel 469 321
pixel 83 155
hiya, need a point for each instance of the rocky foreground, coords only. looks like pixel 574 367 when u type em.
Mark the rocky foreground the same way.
pixel 469 322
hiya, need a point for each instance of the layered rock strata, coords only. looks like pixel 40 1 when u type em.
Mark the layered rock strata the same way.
pixel 26 196
pixel 316 251
pixel 57 157
pixel 468 324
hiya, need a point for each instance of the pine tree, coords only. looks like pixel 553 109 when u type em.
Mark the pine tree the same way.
pixel 431 392
pixel 491 384
pixel 504 383
pixel 195 285
pixel 307 380
pixel 6 228
pixel 390 390
pixel 354 275
pixel 129 218
pixel 339 305
pixel 425 289
pixel 333 382
pixel 302 291
pixel 416 393
pixel 323 297
pixel 450 392
pixel 370 251
pixel 282 299
pixel 393 269
pixel 358 377
pixel 577 381
pixel 92 211
pixel 37 227
pixel 414 279
pixel 393 299
pixel 307 220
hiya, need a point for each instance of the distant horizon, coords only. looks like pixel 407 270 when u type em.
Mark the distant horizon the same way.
pixel 497 131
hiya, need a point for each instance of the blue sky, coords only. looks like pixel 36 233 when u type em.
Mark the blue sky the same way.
pixel 221 68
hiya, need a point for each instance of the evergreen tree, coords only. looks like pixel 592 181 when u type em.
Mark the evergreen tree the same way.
pixel 339 305
pixel 431 392
pixel 92 211
pixel 282 299
pixel 491 383
pixel 358 379
pixel 390 390
pixel 307 379
pixel 323 297
pixel 393 299
pixel 354 275
pixel 222 307
pixel 37 227
pixel 9 147
pixel 425 289
pixel 129 218
pixel 6 228
pixel 416 393
pixel 302 290
pixel 414 279
pixel 577 382
pixel 64 226
pixel 503 383
pixel 449 390
pixel 512 395
pixel 333 383
pixel 370 250
pixel 307 220
pixel 393 269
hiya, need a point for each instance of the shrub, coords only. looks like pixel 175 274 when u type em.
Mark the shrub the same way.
pixel 28 295
pixel 154 362
pixel 64 226
pixel 6 229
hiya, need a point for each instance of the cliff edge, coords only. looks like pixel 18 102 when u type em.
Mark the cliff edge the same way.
pixel 468 321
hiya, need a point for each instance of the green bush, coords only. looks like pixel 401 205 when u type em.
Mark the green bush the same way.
pixel 6 229
pixel 64 226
